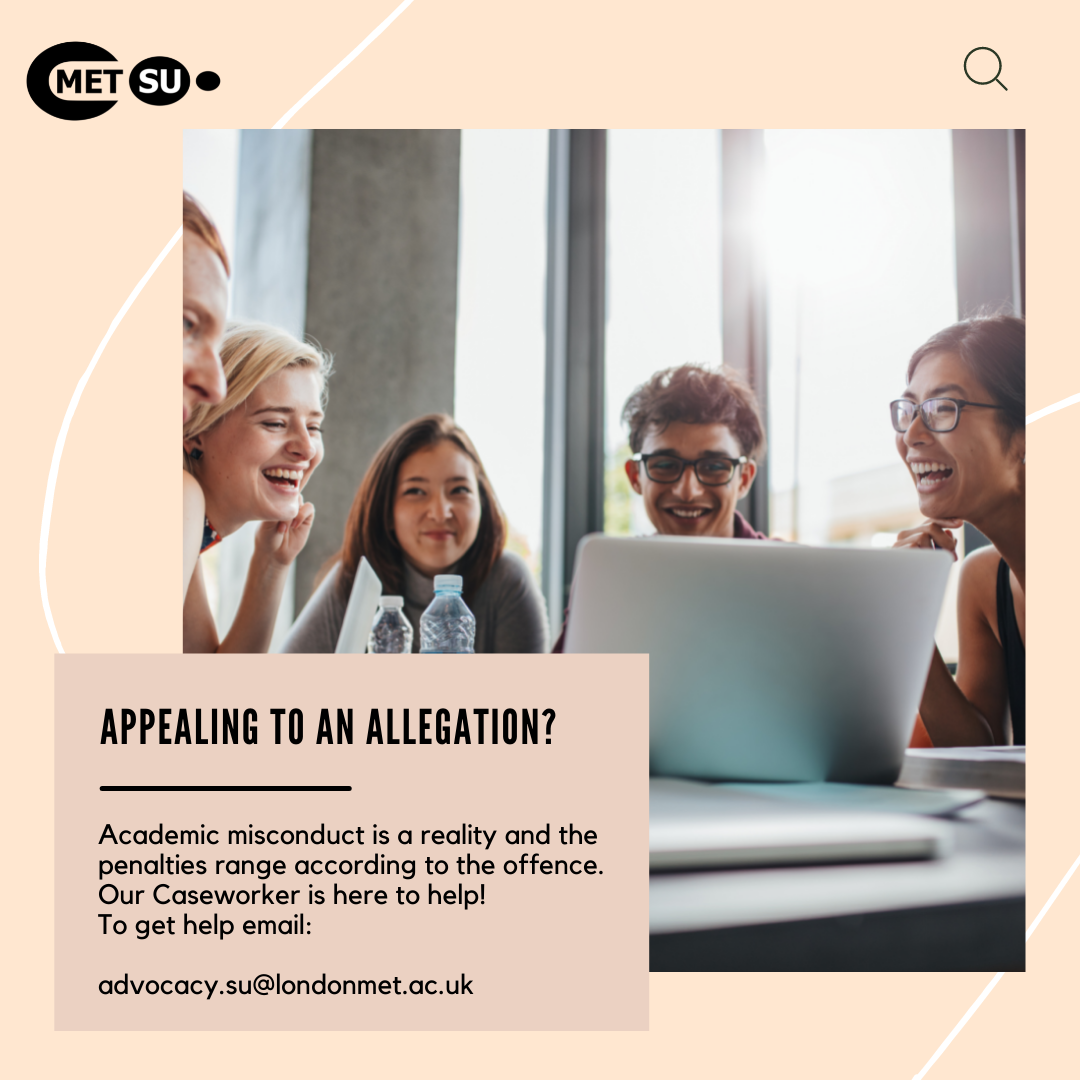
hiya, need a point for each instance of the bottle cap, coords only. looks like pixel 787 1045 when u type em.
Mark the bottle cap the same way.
pixel 388 602
pixel 443 582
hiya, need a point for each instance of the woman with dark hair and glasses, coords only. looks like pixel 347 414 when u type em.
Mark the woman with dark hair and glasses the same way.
pixel 960 430
pixel 426 507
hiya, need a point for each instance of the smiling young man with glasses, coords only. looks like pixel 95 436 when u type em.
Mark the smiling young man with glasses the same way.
pixel 696 434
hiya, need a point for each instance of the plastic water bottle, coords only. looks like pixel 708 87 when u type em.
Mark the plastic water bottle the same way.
pixel 448 625
pixel 391 632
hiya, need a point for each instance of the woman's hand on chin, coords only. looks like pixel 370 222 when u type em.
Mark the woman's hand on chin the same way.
pixel 281 541
pixel 931 534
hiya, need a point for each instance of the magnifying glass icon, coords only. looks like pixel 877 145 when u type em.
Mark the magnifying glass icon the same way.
pixel 996 77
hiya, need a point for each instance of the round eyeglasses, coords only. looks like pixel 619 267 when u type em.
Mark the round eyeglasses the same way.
pixel 711 471
pixel 938 414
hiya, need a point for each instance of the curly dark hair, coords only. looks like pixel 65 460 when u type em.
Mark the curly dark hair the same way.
pixel 696 395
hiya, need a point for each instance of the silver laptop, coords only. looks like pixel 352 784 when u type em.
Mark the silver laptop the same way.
pixel 768 661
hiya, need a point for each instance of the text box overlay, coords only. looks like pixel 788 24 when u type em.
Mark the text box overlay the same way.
pixel 428 843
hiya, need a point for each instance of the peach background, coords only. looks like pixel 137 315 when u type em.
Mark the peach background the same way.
pixel 90 205
pixel 544 952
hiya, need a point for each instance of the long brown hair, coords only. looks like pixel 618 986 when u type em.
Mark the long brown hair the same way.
pixel 368 531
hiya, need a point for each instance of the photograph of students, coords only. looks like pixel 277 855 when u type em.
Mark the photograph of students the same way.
pixel 206 296
pixel 426 507
pixel 248 458
pixel 696 434
pixel 960 431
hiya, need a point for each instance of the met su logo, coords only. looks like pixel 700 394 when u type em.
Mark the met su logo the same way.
pixel 77 80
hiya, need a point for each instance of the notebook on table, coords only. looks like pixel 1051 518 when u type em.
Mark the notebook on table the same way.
pixel 360 613
pixel 696 826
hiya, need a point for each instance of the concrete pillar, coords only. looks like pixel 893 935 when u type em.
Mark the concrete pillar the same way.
pixel 574 388
pixel 988 183
pixel 743 284
pixel 989 188
pixel 382 297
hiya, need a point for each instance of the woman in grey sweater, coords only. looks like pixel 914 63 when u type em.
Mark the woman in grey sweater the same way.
pixel 426 507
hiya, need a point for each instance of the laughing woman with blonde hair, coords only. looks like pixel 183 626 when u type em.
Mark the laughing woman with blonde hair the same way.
pixel 248 458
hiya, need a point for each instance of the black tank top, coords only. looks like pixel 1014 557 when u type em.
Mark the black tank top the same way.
pixel 1013 646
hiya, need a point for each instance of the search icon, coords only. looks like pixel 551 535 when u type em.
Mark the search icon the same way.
pixel 996 77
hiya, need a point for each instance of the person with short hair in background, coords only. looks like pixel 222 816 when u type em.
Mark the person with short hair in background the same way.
pixel 960 431
pixel 206 297
pixel 248 458
pixel 424 507
pixel 696 436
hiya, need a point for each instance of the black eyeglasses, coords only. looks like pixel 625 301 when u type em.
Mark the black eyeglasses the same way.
pixel 938 414
pixel 711 471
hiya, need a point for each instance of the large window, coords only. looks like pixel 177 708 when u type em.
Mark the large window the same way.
pixel 860 242
pixel 858 239
pixel 500 325
pixel 211 174
pixel 861 270
pixel 663 303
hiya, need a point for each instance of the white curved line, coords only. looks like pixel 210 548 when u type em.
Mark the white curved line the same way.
pixel 334 72
pixel 997 978
pixel 1053 896
pixel 1064 403
pixel 58 449
pixel 956 1030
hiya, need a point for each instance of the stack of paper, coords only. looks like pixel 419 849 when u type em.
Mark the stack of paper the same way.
pixel 997 770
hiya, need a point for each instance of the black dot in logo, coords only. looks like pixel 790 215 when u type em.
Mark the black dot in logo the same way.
pixel 159 80
pixel 208 80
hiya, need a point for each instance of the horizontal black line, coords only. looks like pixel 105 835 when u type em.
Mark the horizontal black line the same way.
pixel 223 787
